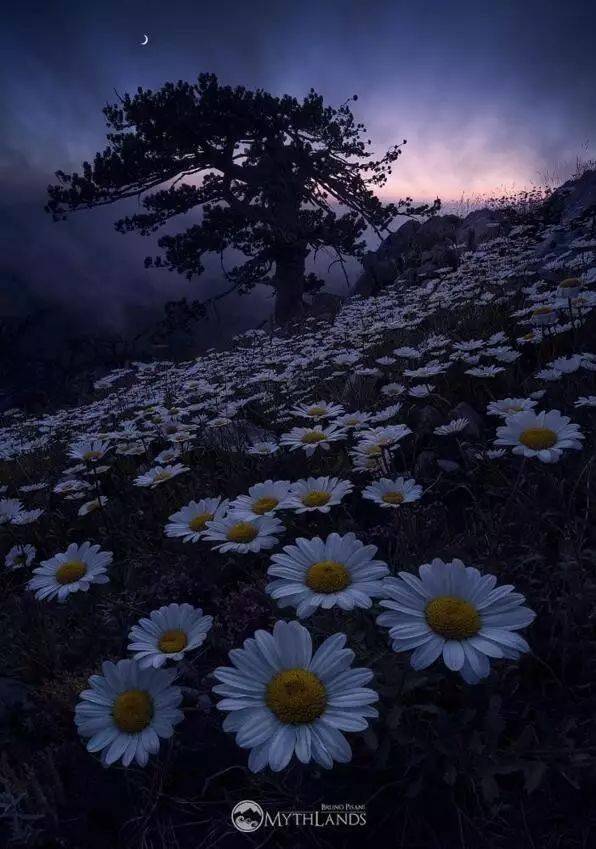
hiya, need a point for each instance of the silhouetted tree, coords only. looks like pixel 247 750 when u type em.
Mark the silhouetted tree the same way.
pixel 265 170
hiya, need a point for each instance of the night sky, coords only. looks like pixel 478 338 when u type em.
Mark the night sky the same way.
pixel 489 96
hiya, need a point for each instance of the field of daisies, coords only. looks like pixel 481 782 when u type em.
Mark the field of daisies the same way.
pixel 354 563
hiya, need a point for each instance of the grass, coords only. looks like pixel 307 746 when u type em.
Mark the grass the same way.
pixel 507 762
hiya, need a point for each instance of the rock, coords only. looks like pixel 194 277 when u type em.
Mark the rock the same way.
pixel 424 467
pixel 576 197
pixel 412 250
pixel 400 243
pixel 439 229
pixel 443 256
pixel 378 272
pixel 475 422
pixel 481 226
pixel 426 419
pixel 448 466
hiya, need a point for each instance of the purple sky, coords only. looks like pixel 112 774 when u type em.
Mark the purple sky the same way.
pixel 489 95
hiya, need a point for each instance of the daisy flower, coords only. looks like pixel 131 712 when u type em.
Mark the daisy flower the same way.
pixel 311 438
pixel 544 435
pixel 454 611
pixel 9 508
pixel 569 288
pixel 454 426
pixel 89 450
pixel 337 572
pixel 126 710
pixel 421 390
pixel 386 413
pixel 33 487
pixel 284 700
pixel 485 371
pixel 407 353
pixel 69 571
pixel 544 315
pixel 586 401
pixel 263 499
pixel 490 454
pixel 356 420
pixel 318 410
pixel 316 494
pixel 166 456
pixel 392 390
pixel 130 449
pixel 392 493
pixel 567 365
pixel 242 534
pixel 94 504
pixel 168 634
pixel 71 486
pixel 190 521
pixel 19 556
pixel 430 370
pixel 26 517
pixel 373 449
pixel 508 406
pixel 160 474
pixel 470 345
pixel 548 374
pixel 263 448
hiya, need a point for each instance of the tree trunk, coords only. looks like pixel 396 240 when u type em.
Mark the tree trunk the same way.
pixel 289 283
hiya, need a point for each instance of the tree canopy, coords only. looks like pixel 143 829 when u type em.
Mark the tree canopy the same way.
pixel 275 179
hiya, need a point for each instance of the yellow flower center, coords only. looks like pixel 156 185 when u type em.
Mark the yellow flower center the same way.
pixel 316 498
pixel 316 411
pixel 374 450
pixel 162 476
pixel 328 576
pixel 132 711
pixel 393 498
pixel 70 572
pixel 242 532
pixel 542 310
pixel 199 522
pixel 91 455
pixel 264 505
pixel 313 436
pixel 172 641
pixel 538 438
pixel 514 409
pixel 570 283
pixel 452 618
pixel 296 696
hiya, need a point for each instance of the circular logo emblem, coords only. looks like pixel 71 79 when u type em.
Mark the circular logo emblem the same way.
pixel 247 816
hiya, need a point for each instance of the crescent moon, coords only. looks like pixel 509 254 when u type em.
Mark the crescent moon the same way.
pixel 146 40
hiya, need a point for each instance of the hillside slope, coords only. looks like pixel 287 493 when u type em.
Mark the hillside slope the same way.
pixel 436 426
